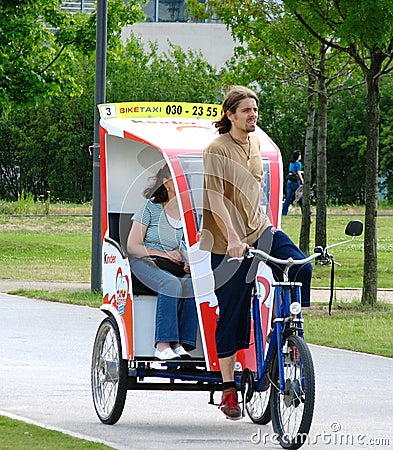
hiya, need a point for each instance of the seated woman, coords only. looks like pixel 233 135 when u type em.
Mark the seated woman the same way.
pixel 157 231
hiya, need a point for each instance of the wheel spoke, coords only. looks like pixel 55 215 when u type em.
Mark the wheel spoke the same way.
pixel 109 373
pixel 292 408
pixel 257 406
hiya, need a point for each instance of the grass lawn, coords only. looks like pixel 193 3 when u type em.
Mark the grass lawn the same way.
pixel 351 326
pixel 45 248
pixel 350 274
pixel 59 248
pixel 82 298
pixel 17 435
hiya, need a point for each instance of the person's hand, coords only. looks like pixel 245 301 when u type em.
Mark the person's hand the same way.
pixel 187 267
pixel 236 249
pixel 174 255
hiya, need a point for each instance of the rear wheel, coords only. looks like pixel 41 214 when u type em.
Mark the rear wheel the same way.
pixel 257 402
pixel 108 373
pixel 292 409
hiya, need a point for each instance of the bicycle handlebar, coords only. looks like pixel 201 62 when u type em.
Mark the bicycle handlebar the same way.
pixel 286 262
pixel 354 228
pixel 319 252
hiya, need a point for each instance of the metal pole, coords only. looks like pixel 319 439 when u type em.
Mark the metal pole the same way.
pixel 99 97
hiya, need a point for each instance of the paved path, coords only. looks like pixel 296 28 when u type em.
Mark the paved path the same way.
pixel 45 358
pixel 318 294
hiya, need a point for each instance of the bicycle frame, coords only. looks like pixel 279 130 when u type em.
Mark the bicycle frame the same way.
pixel 282 301
pixel 282 304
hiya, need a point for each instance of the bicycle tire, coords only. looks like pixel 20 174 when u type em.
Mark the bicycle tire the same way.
pixel 257 402
pixel 292 410
pixel 109 373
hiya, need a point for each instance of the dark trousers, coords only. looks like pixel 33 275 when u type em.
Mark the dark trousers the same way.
pixel 233 287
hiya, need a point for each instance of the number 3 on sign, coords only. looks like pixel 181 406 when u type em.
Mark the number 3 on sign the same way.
pixel 108 111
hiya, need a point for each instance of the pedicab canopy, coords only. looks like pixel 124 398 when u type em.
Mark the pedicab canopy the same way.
pixel 137 139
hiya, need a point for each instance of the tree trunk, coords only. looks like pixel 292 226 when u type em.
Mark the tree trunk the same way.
pixel 304 241
pixel 320 225
pixel 370 266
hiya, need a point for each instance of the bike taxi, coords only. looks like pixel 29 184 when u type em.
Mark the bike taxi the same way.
pixel 136 140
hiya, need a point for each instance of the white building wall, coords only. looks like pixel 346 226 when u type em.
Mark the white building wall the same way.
pixel 214 40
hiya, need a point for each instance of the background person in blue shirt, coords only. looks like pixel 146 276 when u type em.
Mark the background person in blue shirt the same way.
pixel 295 168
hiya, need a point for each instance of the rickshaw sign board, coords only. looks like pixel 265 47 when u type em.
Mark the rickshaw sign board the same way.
pixel 159 109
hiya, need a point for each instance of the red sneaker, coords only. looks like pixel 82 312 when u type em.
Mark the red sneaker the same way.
pixel 229 404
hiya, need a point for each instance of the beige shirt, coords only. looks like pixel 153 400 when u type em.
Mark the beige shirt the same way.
pixel 234 171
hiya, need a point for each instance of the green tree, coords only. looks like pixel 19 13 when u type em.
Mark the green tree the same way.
pixel 363 30
pixel 277 47
pixel 387 136
pixel 45 147
pixel 347 147
pixel 46 56
pixel 137 74
pixel 39 44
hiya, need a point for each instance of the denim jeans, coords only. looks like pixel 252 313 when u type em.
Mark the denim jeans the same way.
pixel 291 189
pixel 176 315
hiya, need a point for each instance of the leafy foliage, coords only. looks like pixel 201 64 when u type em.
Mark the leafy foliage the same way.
pixel 46 126
pixel 386 137
pixel 346 147
pixel 137 74
pixel 44 148
pixel 40 45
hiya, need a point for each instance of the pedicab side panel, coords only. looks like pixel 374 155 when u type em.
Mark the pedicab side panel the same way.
pixel 117 300
pixel 123 306
pixel 171 139
pixel 103 185
pixel 270 151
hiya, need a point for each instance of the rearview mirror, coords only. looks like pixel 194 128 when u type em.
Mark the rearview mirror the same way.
pixel 354 228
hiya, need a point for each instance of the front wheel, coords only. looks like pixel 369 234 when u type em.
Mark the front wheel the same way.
pixel 292 409
pixel 108 373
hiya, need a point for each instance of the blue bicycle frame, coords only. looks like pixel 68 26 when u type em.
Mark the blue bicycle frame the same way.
pixel 282 302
